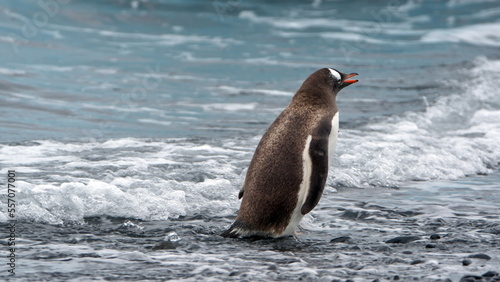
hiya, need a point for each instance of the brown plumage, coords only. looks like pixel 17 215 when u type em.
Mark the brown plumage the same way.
pixel 285 179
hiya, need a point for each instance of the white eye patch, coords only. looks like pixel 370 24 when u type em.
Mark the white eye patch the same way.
pixel 335 74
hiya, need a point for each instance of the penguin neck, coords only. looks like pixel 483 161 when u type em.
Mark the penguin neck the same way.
pixel 317 97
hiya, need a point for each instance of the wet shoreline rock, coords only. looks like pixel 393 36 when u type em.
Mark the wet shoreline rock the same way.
pixel 480 256
pixel 164 245
pixel 488 276
pixel 466 262
pixel 402 239
pixel 435 237
pixel 342 239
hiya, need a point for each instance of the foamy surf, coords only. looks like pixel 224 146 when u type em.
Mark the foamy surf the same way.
pixel 457 136
pixel 131 178
pixel 130 130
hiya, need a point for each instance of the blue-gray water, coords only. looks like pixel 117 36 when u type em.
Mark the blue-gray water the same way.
pixel 131 123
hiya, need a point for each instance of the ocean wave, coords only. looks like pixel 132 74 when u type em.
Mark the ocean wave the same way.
pixel 479 34
pixel 308 23
pixel 457 135
pixel 145 179
pixel 12 72
pixel 225 90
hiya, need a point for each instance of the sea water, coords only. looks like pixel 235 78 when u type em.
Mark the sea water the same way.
pixel 130 126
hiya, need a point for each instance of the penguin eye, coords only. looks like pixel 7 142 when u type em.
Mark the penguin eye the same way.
pixel 336 76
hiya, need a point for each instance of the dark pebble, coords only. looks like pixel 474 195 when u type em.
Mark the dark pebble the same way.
pixel 480 256
pixel 194 247
pixel 471 278
pixel 490 274
pixel 89 255
pixel 355 265
pixel 272 267
pixel 74 241
pixel 435 237
pixel 417 261
pixel 381 248
pixel 355 215
pixel 342 239
pixel 430 246
pixel 407 252
pixel 394 260
pixel 165 245
pixel 395 278
pixel 403 239
pixel 466 262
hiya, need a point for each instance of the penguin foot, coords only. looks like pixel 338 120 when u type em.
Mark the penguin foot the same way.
pixel 241 230
pixel 230 233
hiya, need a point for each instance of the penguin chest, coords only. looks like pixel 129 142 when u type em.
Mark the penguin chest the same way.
pixel 332 139
pixel 307 169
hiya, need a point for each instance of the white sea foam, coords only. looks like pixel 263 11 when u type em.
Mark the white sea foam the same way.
pixel 306 23
pixel 479 34
pixel 169 39
pixel 458 3
pixel 230 107
pixel 189 57
pixel 145 39
pixel 146 120
pixel 455 137
pixel 231 90
pixel 130 108
pixel 125 178
pixel 349 36
pixel 12 72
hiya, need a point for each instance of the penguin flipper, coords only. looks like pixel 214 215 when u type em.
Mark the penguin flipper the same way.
pixel 318 151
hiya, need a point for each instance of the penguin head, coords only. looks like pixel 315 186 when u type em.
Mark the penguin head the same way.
pixel 323 83
pixel 338 80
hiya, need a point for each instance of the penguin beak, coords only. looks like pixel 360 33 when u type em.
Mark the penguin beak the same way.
pixel 347 81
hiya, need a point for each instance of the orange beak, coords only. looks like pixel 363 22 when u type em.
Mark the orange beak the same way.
pixel 351 81
pixel 347 81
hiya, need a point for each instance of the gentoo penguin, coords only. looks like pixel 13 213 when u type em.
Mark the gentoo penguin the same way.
pixel 288 171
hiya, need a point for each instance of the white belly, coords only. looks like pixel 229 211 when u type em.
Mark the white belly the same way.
pixel 332 141
pixel 306 175
pixel 303 191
